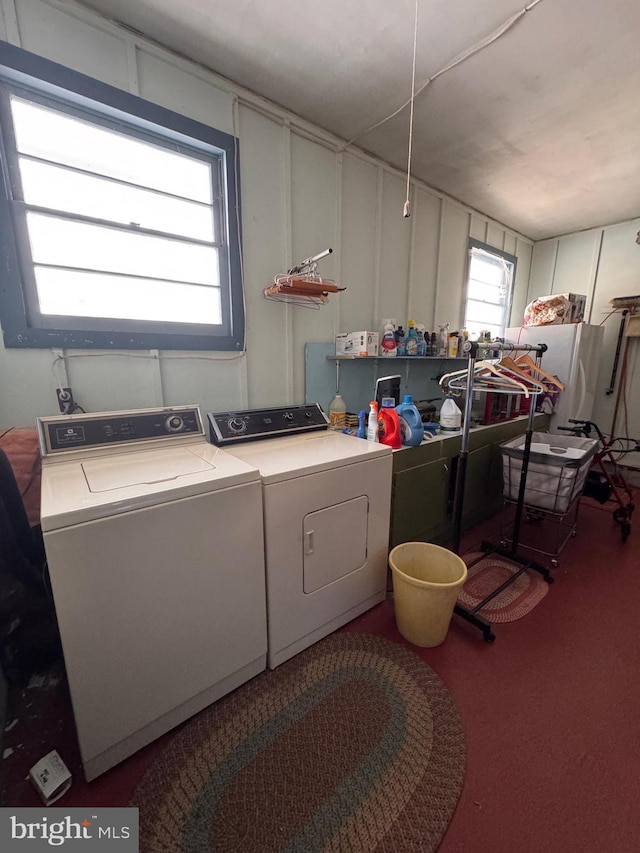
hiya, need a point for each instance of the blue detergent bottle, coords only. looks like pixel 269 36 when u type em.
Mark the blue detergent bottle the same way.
pixel 410 422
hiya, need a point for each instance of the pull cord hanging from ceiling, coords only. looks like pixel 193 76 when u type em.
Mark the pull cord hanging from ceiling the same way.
pixel 457 60
pixel 407 203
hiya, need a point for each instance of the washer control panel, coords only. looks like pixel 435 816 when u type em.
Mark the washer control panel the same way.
pixel 80 432
pixel 252 424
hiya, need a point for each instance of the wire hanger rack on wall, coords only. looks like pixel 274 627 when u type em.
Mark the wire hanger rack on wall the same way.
pixel 303 285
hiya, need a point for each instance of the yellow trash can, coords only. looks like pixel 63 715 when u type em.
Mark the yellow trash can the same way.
pixel 426 583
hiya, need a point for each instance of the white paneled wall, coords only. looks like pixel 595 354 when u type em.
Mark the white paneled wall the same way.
pixel 300 194
pixel 601 263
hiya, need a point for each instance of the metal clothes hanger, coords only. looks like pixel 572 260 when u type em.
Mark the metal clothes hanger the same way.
pixel 496 379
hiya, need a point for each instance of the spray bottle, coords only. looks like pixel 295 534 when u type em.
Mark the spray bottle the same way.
pixel 372 424
pixel 388 343
pixel 411 343
pixel 443 341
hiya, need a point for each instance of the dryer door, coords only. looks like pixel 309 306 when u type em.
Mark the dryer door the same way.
pixel 335 542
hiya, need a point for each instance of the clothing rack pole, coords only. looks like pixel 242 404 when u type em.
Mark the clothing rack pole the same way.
pixel 461 473
pixel 471 615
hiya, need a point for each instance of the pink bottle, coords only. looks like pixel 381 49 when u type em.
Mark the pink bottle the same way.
pixel 389 424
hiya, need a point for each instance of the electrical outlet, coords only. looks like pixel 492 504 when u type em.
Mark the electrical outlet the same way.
pixel 65 400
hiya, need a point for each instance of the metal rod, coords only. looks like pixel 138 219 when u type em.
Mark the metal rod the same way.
pixel 614 371
pixel 523 475
pixel 461 473
pixel 310 261
pixel 622 389
pixel 505 346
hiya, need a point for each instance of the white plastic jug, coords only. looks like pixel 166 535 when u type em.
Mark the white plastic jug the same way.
pixel 450 416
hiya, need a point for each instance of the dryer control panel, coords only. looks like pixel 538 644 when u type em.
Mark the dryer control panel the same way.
pixel 60 434
pixel 251 424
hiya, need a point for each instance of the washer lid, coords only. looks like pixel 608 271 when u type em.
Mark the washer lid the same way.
pixel 77 491
pixel 296 456
pixel 103 475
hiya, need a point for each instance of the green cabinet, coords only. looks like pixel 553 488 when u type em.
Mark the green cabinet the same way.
pixel 424 482
pixel 419 503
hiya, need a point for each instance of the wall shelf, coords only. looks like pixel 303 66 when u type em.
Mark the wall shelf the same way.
pixel 391 359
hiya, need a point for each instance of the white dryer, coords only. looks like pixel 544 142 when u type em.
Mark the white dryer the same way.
pixel 155 551
pixel 327 500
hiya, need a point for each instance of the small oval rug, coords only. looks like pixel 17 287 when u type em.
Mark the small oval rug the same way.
pixel 514 602
pixel 353 745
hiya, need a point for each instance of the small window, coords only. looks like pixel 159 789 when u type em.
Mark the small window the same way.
pixel 489 290
pixel 121 228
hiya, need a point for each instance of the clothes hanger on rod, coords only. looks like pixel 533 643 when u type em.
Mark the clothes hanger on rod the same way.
pixel 527 361
pixel 508 364
pixel 490 377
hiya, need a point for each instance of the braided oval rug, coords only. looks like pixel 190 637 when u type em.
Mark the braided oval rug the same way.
pixel 353 745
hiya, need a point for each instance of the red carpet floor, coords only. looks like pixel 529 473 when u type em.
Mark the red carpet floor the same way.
pixel 551 712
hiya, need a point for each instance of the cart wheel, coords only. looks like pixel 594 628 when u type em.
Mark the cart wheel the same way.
pixel 555 563
pixel 489 638
pixel 621 514
pixel 574 533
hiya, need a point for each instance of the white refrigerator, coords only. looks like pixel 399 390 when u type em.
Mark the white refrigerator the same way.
pixel 573 355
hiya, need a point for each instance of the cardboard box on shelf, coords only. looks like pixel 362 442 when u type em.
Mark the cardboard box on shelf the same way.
pixel 342 342
pixel 357 344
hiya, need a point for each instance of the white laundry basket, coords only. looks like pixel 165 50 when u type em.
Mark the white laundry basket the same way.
pixel 558 468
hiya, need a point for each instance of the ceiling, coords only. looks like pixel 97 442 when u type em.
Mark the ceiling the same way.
pixel 539 130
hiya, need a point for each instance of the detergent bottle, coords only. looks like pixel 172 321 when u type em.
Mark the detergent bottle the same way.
pixel 389 424
pixel 372 423
pixel 400 345
pixel 411 343
pixel 411 427
pixel 422 343
pixel 388 344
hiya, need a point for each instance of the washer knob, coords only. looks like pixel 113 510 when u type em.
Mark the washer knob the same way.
pixel 174 423
pixel 237 425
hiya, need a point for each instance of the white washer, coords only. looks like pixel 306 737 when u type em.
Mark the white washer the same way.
pixel 327 500
pixel 155 550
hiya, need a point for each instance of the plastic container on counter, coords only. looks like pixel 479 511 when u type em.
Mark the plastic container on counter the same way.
pixel 411 427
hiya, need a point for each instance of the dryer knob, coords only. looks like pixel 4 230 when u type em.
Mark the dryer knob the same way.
pixel 174 423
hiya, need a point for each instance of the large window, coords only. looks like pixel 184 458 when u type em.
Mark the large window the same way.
pixel 489 290
pixel 119 223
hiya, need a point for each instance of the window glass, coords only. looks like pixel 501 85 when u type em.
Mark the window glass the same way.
pixel 62 189
pixel 88 294
pixel 60 138
pixel 121 224
pixel 489 290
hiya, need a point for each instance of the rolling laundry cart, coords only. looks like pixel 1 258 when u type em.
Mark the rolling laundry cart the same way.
pixel 469 384
pixel 558 468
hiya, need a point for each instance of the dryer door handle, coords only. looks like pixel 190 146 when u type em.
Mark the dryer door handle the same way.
pixel 308 542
